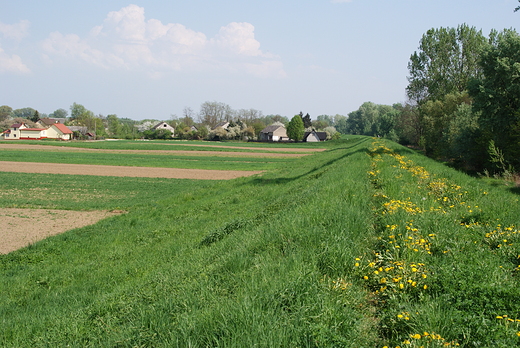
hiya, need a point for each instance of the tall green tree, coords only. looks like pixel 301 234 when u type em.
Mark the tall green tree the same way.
pixel 497 95
pixel 5 112
pixel 295 128
pixel 35 117
pixel 436 116
pixel 307 122
pixel 114 126
pixel 447 59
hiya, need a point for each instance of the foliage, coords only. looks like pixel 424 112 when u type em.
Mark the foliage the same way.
pixel 435 119
pixel 211 113
pixel 5 112
pixel 163 134
pixel 306 120
pixel 372 119
pixel 295 128
pixel 497 94
pixel 26 113
pixel 59 113
pixel 446 61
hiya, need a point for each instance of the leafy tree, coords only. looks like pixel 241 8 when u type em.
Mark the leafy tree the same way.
pixel 59 113
pixel 248 115
pixel 497 95
pixel 5 112
pixel 78 110
pixel 26 113
pixel 35 117
pixel 211 113
pixel 320 124
pixel 307 122
pixel 270 119
pixel 408 124
pixel 295 128
pixel 518 7
pixel 463 139
pixel 163 134
pixel 217 134
pixel 114 126
pixel 340 122
pixel 435 119
pixel 372 119
pixel 80 116
pixel 446 61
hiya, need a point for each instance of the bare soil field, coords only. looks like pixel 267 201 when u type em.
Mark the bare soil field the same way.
pixel 21 227
pixel 143 172
pixel 168 152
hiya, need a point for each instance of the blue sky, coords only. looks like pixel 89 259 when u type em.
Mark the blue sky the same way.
pixel 151 59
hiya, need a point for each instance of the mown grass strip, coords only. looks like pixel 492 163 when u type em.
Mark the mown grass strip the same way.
pixel 145 160
pixel 212 146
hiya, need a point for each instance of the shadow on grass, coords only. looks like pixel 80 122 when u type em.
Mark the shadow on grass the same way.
pixel 515 190
pixel 319 169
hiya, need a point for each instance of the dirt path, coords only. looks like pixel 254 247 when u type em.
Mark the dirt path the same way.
pixel 21 227
pixel 123 171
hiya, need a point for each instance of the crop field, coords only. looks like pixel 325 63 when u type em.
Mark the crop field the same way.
pixel 357 242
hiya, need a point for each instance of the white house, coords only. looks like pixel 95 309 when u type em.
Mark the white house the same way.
pixel 166 126
pixel 59 131
pixel 314 136
pixel 20 131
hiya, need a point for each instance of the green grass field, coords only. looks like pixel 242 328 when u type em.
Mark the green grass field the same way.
pixel 368 244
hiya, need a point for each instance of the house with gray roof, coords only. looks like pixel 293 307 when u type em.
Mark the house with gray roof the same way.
pixel 274 133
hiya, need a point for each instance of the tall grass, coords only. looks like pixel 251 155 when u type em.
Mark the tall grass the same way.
pixel 280 261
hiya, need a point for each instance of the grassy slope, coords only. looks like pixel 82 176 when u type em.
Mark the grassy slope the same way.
pixel 271 261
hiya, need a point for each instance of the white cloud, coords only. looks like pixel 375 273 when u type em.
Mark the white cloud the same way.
pixel 239 39
pixel 127 40
pixel 12 63
pixel 15 31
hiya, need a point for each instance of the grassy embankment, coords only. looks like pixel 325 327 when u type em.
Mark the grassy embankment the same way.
pixel 365 245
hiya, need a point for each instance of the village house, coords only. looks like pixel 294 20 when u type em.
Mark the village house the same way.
pixel 314 136
pixel 20 131
pixel 224 124
pixel 47 122
pixel 166 126
pixel 274 133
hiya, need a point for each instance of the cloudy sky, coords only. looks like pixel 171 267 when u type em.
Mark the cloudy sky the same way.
pixel 151 59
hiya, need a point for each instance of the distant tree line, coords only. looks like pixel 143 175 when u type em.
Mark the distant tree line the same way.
pixel 463 101
pixel 191 125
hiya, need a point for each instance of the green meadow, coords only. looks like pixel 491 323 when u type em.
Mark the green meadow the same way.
pixel 367 244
